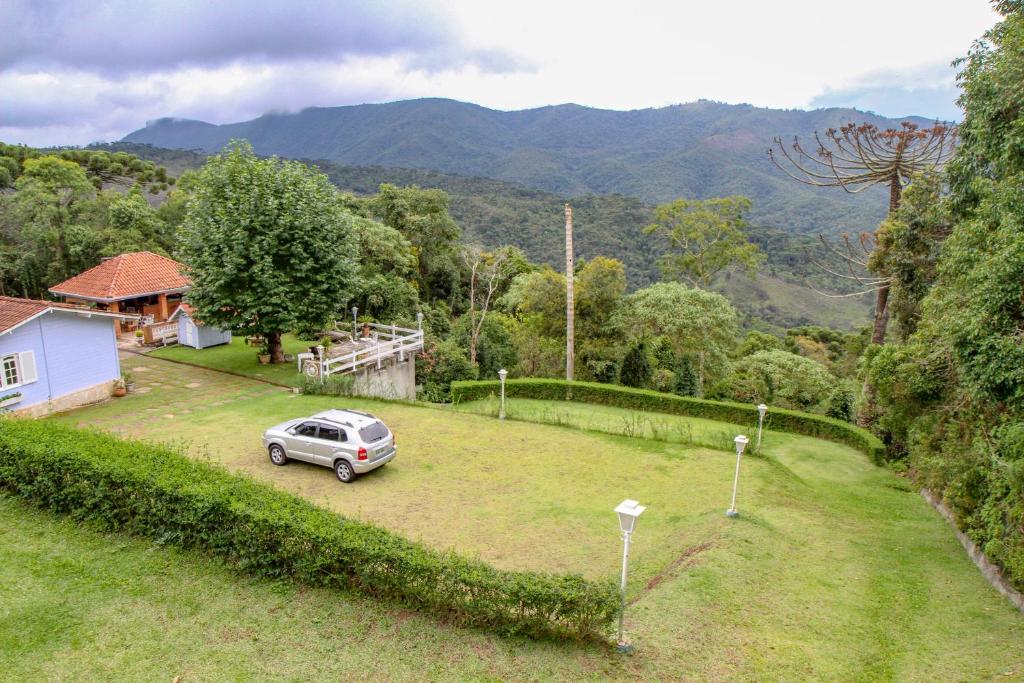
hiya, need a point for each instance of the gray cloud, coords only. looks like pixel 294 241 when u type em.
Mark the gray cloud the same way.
pixel 927 91
pixel 122 37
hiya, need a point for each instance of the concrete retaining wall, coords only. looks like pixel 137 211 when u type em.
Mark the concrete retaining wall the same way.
pixel 395 380
pixel 990 571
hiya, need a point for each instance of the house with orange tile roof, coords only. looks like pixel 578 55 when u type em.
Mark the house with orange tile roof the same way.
pixel 55 356
pixel 139 283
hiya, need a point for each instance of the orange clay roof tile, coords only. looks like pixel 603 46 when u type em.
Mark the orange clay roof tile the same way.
pixel 126 276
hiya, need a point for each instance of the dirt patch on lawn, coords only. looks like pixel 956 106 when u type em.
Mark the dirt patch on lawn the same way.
pixel 685 559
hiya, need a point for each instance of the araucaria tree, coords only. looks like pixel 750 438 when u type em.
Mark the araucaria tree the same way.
pixel 856 157
pixel 268 246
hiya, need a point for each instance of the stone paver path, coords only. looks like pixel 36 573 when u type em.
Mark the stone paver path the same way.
pixel 164 390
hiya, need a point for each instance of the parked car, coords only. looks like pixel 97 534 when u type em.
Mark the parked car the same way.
pixel 348 441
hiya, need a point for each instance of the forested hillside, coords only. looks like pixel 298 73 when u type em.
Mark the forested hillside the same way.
pixel 494 213
pixel 696 150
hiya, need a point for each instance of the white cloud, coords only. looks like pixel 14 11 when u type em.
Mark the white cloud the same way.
pixel 512 55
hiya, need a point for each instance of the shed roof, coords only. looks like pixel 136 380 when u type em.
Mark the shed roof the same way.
pixel 182 309
pixel 15 312
pixel 139 273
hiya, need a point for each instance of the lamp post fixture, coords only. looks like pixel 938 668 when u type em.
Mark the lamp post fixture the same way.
pixel 761 411
pixel 741 442
pixel 355 312
pixel 503 373
pixel 419 320
pixel 628 511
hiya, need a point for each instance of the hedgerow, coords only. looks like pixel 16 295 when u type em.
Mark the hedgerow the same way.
pixel 782 420
pixel 152 491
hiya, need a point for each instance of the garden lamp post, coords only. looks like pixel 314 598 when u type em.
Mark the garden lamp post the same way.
pixel 503 373
pixel 628 511
pixel 419 320
pixel 761 411
pixel 741 442
pixel 355 312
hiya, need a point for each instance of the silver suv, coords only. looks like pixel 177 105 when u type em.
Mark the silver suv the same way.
pixel 348 441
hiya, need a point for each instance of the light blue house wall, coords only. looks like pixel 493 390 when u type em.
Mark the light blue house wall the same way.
pixel 199 336
pixel 72 353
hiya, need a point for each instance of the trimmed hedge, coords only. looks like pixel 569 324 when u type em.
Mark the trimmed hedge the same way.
pixel 794 421
pixel 152 491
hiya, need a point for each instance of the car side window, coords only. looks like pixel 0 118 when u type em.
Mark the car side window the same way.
pixel 330 433
pixel 306 429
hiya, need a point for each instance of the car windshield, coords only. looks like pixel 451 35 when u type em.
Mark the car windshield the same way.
pixel 373 432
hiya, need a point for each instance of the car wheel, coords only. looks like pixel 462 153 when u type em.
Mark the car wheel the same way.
pixel 344 471
pixel 278 456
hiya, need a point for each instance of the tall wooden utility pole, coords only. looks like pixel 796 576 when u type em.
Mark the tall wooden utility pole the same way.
pixel 570 305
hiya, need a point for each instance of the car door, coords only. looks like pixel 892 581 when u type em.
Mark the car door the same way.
pixel 301 443
pixel 328 443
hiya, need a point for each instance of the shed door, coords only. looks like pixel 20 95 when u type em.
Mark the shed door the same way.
pixel 190 334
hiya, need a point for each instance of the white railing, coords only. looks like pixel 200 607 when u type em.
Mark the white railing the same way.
pixel 390 341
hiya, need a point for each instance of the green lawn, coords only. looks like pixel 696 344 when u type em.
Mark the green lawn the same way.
pixel 834 570
pixel 240 358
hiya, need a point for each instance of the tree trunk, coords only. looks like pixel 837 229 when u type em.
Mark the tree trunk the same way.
pixel 275 347
pixel 570 300
pixel 472 317
pixel 866 416
pixel 882 295
pixel 700 374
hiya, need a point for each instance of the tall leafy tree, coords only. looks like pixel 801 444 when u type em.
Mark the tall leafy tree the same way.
pixel 387 268
pixel 268 246
pixel 705 236
pixel 489 274
pixel 422 217
pixel 694 320
pixel 48 217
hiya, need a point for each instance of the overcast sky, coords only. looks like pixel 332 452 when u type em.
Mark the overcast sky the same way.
pixel 78 72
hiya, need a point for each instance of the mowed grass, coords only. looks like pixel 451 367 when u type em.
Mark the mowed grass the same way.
pixel 240 358
pixel 80 605
pixel 834 570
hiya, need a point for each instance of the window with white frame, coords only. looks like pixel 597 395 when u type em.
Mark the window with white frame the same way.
pixel 9 372
pixel 17 369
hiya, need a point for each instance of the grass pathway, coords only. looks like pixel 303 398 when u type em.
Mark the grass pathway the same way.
pixel 835 570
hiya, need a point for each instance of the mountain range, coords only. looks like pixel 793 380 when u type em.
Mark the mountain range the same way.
pixel 696 150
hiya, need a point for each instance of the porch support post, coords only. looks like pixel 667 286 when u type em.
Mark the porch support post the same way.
pixel 162 302
pixel 115 307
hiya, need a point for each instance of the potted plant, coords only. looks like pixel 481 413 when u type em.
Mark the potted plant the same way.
pixel 264 353
pixel 119 388
pixel 10 399
pixel 140 337
pixel 128 379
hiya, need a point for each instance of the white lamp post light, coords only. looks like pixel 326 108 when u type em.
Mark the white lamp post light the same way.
pixel 355 312
pixel 741 442
pixel 628 511
pixel 419 320
pixel 503 373
pixel 761 411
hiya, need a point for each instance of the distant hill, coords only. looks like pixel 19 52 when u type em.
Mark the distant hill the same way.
pixel 493 212
pixel 697 150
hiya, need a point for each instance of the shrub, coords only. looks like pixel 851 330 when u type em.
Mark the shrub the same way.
pixel 778 378
pixel 331 385
pixel 152 491
pixel 779 419
pixel 441 364
pixel 636 366
pixel 840 403
pixel 687 381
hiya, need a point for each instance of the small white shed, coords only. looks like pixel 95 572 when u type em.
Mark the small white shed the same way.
pixel 195 334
